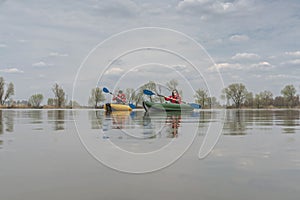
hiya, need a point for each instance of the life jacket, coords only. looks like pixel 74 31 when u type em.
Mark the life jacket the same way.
pixel 120 98
pixel 174 99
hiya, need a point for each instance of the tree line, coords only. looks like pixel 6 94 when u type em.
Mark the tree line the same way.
pixel 236 96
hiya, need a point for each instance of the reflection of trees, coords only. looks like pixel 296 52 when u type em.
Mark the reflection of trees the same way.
pixel 238 121
pixel 205 118
pixel 235 123
pixel 9 120
pixel 289 119
pixel 58 117
pixel 35 116
pixel 1 123
pixel 263 117
pixel 96 119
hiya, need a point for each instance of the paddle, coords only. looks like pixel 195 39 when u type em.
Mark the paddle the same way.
pixel 107 91
pixel 150 93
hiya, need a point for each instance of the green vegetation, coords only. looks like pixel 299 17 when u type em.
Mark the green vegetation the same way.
pixel 289 95
pixel 236 92
pixel 237 96
pixel 35 100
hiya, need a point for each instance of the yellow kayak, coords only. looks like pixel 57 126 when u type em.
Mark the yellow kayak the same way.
pixel 110 107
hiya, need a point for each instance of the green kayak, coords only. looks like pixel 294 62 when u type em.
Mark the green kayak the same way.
pixel 166 106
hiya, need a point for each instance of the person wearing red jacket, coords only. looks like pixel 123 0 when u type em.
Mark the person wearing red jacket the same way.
pixel 174 98
pixel 120 98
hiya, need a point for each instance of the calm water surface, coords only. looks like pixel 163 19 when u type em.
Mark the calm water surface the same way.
pixel 256 157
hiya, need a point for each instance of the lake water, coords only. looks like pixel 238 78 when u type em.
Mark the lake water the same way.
pixel 86 154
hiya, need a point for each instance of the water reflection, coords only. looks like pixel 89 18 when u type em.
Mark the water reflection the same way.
pixel 1 123
pixel 57 117
pixel 242 122
pixel 236 123
pixel 289 120
pixel 35 116
pixel 173 122
pixel 96 119
pixel 150 125
pixel 7 121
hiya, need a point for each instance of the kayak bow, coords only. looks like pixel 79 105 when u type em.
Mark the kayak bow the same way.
pixel 166 106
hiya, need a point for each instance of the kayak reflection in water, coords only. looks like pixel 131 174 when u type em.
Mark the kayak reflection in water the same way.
pixel 116 120
pixel 173 121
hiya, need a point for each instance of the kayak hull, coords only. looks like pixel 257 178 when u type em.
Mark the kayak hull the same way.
pixel 110 107
pixel 166 106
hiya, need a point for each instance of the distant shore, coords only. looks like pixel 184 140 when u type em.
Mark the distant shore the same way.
pixel 140 107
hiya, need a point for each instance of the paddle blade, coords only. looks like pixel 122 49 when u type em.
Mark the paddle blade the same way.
pixel 148 92
pixel 105 90
pixel 132 106
pixel 195 105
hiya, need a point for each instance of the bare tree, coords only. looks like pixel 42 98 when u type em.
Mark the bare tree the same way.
pixel 50 102
pixel 36 100
pixel 201 97
pixel 289 94
pixel 266 97
pixel 2 83
pixel 59 95
pixel 96 97
pixel 172 84
pixel 9 91
pixel 132 95
pixel 249 100
pixel 151 85
pixel 237 92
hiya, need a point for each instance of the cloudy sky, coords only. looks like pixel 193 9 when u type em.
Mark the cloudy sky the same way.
pixel 42 42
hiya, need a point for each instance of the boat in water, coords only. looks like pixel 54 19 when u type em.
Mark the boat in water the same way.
pixel 110 107
pixel 166 106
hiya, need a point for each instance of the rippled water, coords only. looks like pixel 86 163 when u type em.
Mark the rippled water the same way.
pixel 64 154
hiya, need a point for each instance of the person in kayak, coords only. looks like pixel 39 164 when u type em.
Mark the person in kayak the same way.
pixel 174 98
pixel 120 98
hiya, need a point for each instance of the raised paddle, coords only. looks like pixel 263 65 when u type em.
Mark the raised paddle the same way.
pixel 150 93
pixel 107 91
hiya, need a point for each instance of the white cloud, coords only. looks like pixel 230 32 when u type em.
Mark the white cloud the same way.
pixel 3 45
pixel 114 71
pixel 294 62
pixel 277 76
pixel 56 54
pixel 245 56
pixel 293 53
pixel 185 4
pixel 239 38
pixel 220 7
pixel 180 67
pixel 40 64
pixel 116 8
pixel 262 66
pixel 246 67
pixel 11 71
pixel 224 66
pixel 22 41
pixel 213 6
